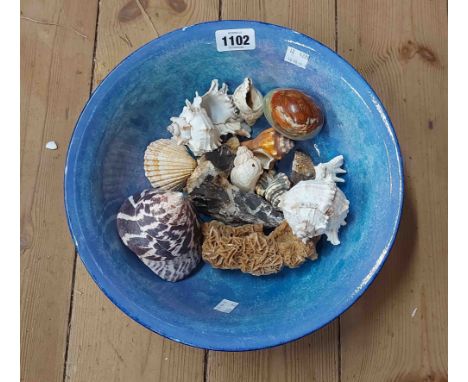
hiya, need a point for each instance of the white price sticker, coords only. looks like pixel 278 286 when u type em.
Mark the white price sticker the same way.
pixel 296 57
pixel 226 306
pixel 235 39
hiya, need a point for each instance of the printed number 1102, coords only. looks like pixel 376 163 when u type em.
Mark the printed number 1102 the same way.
pixel 236 40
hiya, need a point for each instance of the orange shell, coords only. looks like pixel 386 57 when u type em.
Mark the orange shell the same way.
pixel 271 142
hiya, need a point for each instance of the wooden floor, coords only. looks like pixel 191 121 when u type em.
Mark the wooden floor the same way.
pixel 396 332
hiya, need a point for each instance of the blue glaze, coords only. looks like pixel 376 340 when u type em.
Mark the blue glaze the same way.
pixel 132 107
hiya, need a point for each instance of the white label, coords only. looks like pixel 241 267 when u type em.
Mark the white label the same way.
pixel 226 306
pixel 235 39
pixel 296 57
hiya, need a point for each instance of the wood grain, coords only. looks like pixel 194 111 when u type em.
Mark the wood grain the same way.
pixel 57 39
pixel 315 357
pixel 398 330
pixel 106 345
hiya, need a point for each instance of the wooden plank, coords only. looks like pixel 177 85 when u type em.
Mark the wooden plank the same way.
pixel 106 345
pixel 57 39
pixel 398 330
pixel 315 357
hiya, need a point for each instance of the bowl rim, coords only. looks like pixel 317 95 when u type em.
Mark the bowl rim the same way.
pixel 115 295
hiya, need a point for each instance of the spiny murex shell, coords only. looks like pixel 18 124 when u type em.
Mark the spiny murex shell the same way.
pixel 272 185
pixel 220 108
pixel 195 129
pixel 161 228
pixel 168 165
pixel 317 206
pixel 249 101
pixel 247 169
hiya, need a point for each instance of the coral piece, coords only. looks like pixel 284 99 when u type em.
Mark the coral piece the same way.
pixel 302 167
pixel 249 101
pixel 293 113
pixel 247 169
pixel 212 194
pixel 272 185
pixel 161 228
pixel 168 165
pixel 247 248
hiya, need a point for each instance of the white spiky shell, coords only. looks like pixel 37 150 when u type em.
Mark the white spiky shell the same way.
pixel 247 169
pixel 306 205
pixel 337 215
pixel 195 129
pixel 249 101
pixel 168 165
pixel 220 108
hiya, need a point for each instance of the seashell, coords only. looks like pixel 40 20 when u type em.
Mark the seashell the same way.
pixel 249 101
pixel 168 165
pixel 317 206
pixel 195 129
pixel 302 167
pixel 221 110
pixel 212 194
pixel 247 248
pixel 330 170
pixel 161 228
pixel 271 143
pixel 266 159
pixel 271 186
pixel 293 113
pixel 305 207
pixel 337 215
pixel 247 169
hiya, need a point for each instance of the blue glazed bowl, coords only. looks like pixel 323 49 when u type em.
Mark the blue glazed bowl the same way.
pixel 132 107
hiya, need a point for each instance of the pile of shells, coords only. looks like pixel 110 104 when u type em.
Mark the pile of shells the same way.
pixel 229 176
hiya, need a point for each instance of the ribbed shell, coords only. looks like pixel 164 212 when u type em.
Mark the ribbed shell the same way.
pixel 168 165
pixel 271 186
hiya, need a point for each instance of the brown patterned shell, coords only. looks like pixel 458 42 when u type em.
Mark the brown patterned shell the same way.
pixel 271 142
pixel 293 113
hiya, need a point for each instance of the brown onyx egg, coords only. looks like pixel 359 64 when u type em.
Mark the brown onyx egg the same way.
pixel 293 114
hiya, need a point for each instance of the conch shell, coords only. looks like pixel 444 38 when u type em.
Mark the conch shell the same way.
pixel 272 185
pixel 249 101
pixel 161 228
pixel 168 165
pixel 247 169
pixel 270 146
pixel 317 206
pixel 195 129
pixel 247 248
pixel 220 108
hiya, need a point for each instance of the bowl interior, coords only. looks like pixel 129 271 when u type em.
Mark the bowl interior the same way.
pixel 132 107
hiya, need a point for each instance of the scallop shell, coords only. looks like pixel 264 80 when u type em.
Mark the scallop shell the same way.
pixel 195 129
pixel 270 142
pixel 249 101
pixel 247 169
pixel 220 108
pixel 302 167
pixel 293 113
pixel 161 228
pixel 272 185
pixel 168 165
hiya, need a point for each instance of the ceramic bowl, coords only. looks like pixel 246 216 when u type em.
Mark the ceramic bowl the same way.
pixel 132 107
